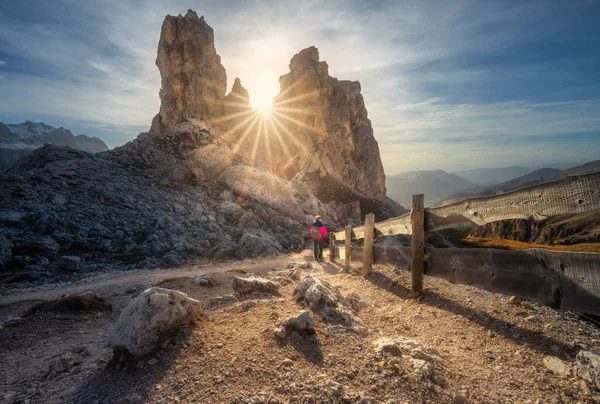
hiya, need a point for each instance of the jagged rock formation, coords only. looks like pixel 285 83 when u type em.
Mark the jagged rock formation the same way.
pixel 192 77
pixel 328 119
pixel 18 140
pixel 192 187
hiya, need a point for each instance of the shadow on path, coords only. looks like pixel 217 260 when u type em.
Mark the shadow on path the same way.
pixel 122 381
pixel 534 339
pixel 306 344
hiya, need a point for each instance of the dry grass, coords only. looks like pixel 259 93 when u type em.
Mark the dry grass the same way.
pixel 480 242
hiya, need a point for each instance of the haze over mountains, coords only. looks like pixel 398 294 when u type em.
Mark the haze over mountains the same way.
pixel 485 176
pixel 441 187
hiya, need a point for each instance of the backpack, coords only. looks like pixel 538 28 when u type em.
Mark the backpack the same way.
pixel 315 233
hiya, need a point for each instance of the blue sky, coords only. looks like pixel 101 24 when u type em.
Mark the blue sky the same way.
pixel 448 84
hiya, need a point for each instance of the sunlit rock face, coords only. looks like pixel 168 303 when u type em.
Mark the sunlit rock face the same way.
pixel 327 131
pixel 192 76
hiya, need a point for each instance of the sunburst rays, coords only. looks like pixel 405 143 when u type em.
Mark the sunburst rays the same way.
pixel 270 142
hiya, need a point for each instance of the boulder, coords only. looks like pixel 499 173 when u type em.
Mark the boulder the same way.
pixel 255 285
pixel 588 367
pixel 328 302
pixel 150 316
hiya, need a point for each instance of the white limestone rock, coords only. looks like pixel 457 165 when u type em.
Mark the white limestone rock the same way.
pixel 148 317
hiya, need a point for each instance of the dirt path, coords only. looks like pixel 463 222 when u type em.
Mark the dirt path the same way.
pixel 117 282
pixel 490 351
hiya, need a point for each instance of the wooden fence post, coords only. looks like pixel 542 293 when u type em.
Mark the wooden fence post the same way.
pixel 417 218
pixel 368 244
pixel 332 252
pixel 347 251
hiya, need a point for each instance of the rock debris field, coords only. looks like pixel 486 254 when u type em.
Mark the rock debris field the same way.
pixel 289 330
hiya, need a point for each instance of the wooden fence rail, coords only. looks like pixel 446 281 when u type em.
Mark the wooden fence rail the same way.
pixel 558 279
pixel 574 194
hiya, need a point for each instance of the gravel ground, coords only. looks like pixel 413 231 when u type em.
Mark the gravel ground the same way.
pixel 490 351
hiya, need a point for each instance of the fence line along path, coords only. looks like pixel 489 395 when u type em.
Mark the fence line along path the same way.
pixel 559 279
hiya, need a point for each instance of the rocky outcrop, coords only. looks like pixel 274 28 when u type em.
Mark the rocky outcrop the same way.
pixel 328 120
pixel 255 285
pixel 149 317
pixel 192 187
pixel 328 302
pixel 192 77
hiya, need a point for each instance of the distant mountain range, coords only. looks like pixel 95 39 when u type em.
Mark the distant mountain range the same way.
pixel 486 176
pixel 433 184
pixel 440 187
pixel 536 177
pixel 18 140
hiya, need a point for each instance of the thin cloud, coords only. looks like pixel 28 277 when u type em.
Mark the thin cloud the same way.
pixel 2 62
pixel 438 78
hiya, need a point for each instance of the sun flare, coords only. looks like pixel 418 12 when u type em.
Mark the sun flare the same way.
pixel 262 104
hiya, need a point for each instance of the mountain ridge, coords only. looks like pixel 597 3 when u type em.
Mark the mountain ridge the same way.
pixel 19 140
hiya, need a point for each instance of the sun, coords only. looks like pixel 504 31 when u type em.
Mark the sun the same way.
pixel 262 104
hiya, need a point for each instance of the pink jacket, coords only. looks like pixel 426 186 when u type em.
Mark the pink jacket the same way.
pixel 323 232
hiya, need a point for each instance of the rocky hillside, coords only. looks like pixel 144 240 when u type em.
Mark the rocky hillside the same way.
pixel 18 140
pixel 195 185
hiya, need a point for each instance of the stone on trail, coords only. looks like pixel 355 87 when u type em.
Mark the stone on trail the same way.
pixel 150 316
pixel 557 366
pixel 387 346
pixel 296 274
pixel 328 302
pixel 302 322
pixel 219 301
pixel 588 367
pixel 255 285
pixel 407 347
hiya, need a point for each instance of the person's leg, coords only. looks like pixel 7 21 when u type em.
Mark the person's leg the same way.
pixel 316 249
pixel 321 246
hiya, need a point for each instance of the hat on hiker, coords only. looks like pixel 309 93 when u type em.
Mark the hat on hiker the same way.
pixel 317 218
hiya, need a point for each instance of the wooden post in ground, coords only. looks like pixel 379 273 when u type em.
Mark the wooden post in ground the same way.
pixel 368 244
pixel 332 252
pixel 347 251
pixel 417 219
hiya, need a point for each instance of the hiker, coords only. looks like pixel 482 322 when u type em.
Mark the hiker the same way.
pixel 318 233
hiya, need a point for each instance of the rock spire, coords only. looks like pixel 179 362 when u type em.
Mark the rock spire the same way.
pixel 192 77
